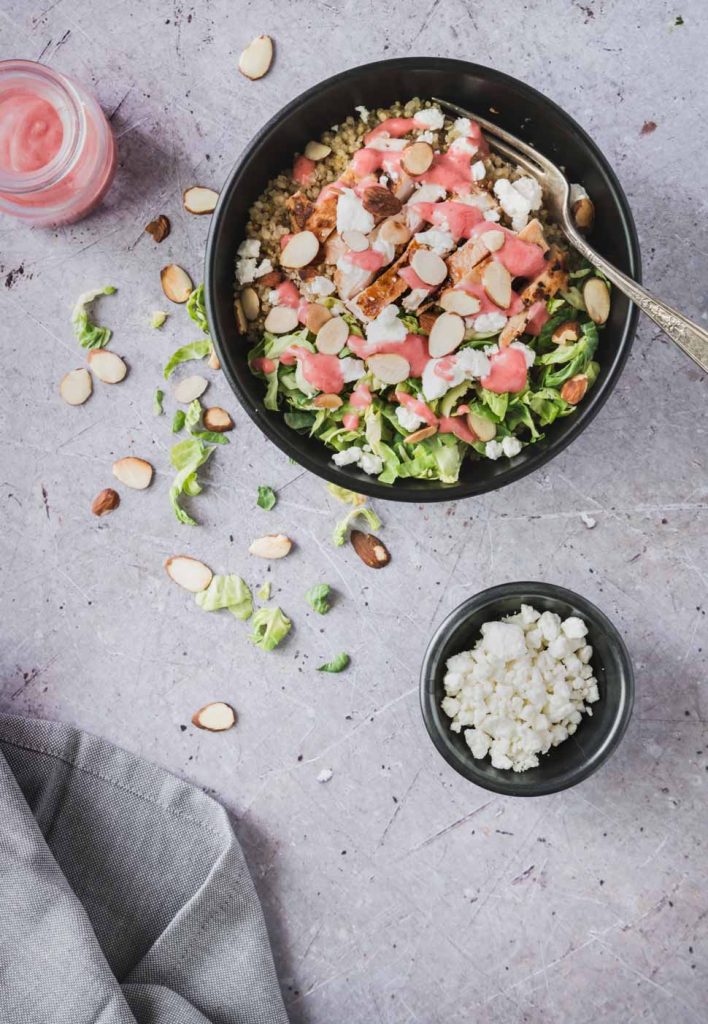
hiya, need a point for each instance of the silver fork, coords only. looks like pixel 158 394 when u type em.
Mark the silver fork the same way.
pixel 690 338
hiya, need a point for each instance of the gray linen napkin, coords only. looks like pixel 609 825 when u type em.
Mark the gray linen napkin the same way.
pixel 124 895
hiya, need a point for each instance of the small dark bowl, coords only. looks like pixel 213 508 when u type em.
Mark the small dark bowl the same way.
pixel 596 737
pixel 519 109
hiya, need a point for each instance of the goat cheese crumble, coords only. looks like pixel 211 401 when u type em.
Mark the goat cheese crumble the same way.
pixel 523 688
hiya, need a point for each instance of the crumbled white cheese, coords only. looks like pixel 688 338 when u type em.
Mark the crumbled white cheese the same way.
pixel 493 450
pixel 350 456
pixel 427 193
pixel 386 144
pixel 383 180
pixel 531 190
pixel 245 270
pixel 463 145
pixel 489 323
pixel 462 126
pixel 492 215
pixel 511 446
pixel 517 199
pixel 472 363
pixel 589 520
pixel 408 419
pixel 356 456
pixel 370 463
pixel 249 248
pixel 264 267
pixel 363 113
pixel 274 297
pixel 386 327
pixel 529 354
pixel 325 775
pixel 441 242
pixel 518 693
pixel 415 298
pixel 352 369
pixel 479 171
pixel 351 215
pixel 577 192
pixel 463 365
pixel 426 137
pixel 322 286
pixel 431 117
pixel 387 249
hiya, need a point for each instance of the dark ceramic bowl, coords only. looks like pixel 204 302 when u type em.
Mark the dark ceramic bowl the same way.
pixel 521 110
pixel 596 737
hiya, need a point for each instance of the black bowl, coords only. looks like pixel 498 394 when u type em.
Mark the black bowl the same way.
pixel 519 109
pixel 597 736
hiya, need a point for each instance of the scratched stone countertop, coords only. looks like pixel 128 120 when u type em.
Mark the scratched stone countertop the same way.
pixel 397 892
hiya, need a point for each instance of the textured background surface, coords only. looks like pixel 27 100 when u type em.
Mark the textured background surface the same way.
pixel 397 892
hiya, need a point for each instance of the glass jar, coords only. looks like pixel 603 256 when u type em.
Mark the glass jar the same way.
pixel 57 150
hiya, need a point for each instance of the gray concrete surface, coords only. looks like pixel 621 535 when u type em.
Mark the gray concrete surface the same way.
pixel 396 892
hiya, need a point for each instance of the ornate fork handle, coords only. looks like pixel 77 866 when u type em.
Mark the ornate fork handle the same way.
pixel 690 338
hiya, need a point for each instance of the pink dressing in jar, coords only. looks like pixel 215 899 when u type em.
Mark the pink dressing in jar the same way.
pixel 57 151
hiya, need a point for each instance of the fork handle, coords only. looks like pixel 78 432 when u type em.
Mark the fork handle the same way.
pixel 689 336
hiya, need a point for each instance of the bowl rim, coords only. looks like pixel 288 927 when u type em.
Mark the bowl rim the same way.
pixel 433 491
pixel 486 599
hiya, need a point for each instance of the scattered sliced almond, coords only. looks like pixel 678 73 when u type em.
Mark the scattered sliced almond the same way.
pixel 190 388
pixel 317 151
pixel 355 240
pixel 447 333
pixel 596 295
pixel 481 427
pixel 420 435
pixel 417 158
pixel 281 320
pixel 429 267
pixel 216 717
pixel 176 283
pixel 574 389
pixel 332 336
pixel 328 402
pixel 273 545
pixel 493 240
pixel 256 58
pixel 583 213
pixel 159 228
pixel 567 333
pixel 370 549
pixel 454 300
pixel 389 367
pixel 395 232
pixel 199 199
pixel 214 363
pixel 300 250
pixel 107 366
pixel 105 502
pixel 240 316
pixel 133 472
pixel 250 303
pixel 76 386
pixel 217 419
pixel 188 573
pixel 316 316
pixel 496 281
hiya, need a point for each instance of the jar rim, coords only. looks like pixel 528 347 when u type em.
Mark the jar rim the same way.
pixel 72 141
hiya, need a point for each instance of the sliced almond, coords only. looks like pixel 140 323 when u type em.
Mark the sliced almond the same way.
pixel 583 213
pixel 597 299
pixel 493 240
pixel 76 386
pixel 328 402
pixel 107 366
pixel 189 573
pixel 105 502
pixel 429 267
pixel 332 336
pixel 250 303
pixel 420 435
pixel 215 717
pixel 190 388
pixel 240 316
pixel 300 250
pixel 273 545
pixel 214 363
pixel 355 240
pixel 574 389
pixel 199 199
pixel 447 333
pixel 316 316
pixel 159 228
pixel 217 419
pixel 496 281
pixel 395 232
pixel 416 159
pixel 317 151
pixel 481 427
pixel 454 300
pixel 281 320
pixel 133 472
pixel 567 333
pixel 370 549
pixel 389 367
pixel 176 283
pixel 256 58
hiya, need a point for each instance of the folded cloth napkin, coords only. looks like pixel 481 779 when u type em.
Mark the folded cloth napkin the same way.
pixel 124 896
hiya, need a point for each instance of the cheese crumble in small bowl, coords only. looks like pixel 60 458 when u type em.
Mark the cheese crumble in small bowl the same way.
pixel 526 689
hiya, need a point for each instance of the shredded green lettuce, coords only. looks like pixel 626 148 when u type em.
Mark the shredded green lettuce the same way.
pixel 318 597
pixel 158 318
pixel 338 663
pixel 227 592
pixel 178 421
pixel 193 420
pixel 88 333
pixel 187 457
pixel 194 350
pixel 266 497
pixel 197 309
pixel 264 591
pixel 342 494
pixel 339 534
pixel 157 400
pixel 270 626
